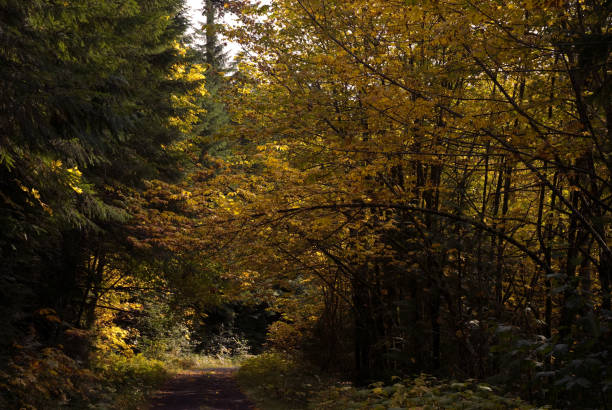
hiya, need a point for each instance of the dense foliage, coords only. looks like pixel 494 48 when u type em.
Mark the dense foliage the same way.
pixel 402 187
pixel 91 94
pixel 97 96
pixel 280 381
pixel 426 187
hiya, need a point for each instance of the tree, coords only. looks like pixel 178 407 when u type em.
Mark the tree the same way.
pixel 94 95
pixel 440 168
pixel 212 53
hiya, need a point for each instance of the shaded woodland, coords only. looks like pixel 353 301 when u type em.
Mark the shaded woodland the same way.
pixel 373 189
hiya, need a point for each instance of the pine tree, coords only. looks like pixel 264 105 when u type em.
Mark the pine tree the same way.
pixel 213 54
pixel 93 93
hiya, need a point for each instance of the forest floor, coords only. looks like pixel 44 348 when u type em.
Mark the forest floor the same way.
pixel 207 389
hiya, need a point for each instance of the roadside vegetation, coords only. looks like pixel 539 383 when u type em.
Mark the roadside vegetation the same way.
pixel 279 381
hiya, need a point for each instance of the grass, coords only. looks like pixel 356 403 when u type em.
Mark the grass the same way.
pixel 195 361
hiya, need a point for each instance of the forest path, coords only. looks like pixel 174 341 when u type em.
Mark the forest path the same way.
pixel 207 389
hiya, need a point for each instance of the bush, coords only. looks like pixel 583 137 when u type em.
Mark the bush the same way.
pixel 281 381
pixel 128 380
pixel 46 379
pixel 121 370
pixel 279 377
pixel 423 392
pixel 226 343
pixel 284 336
pixel 572 370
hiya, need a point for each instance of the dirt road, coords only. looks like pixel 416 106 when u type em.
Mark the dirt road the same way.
pixel 210 389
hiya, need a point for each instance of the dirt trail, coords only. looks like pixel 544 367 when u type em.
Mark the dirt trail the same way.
pixel 210 389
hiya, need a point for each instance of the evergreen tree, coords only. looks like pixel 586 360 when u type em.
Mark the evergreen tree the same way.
pixel 93 95
pixel 212 53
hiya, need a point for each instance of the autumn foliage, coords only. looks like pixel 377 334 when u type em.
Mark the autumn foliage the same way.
pixel 403 187
pixel 425 186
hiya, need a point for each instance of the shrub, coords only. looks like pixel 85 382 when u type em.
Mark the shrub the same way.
pixel 284 336
pixel 226 343
pixel 423 392
pixel 33 380
pixel 279 377
pixel 280 381
pixel 128 379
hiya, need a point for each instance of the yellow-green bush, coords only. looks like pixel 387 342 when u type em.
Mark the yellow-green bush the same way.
pixel 120 369
pixel 128 380
pixel 278 377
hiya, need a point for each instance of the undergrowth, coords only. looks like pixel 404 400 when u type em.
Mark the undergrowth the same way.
pixel 278 381
pixel 197 361
pixel 422 392
pixel 45 379
pixel 51 380
pixel 127 382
